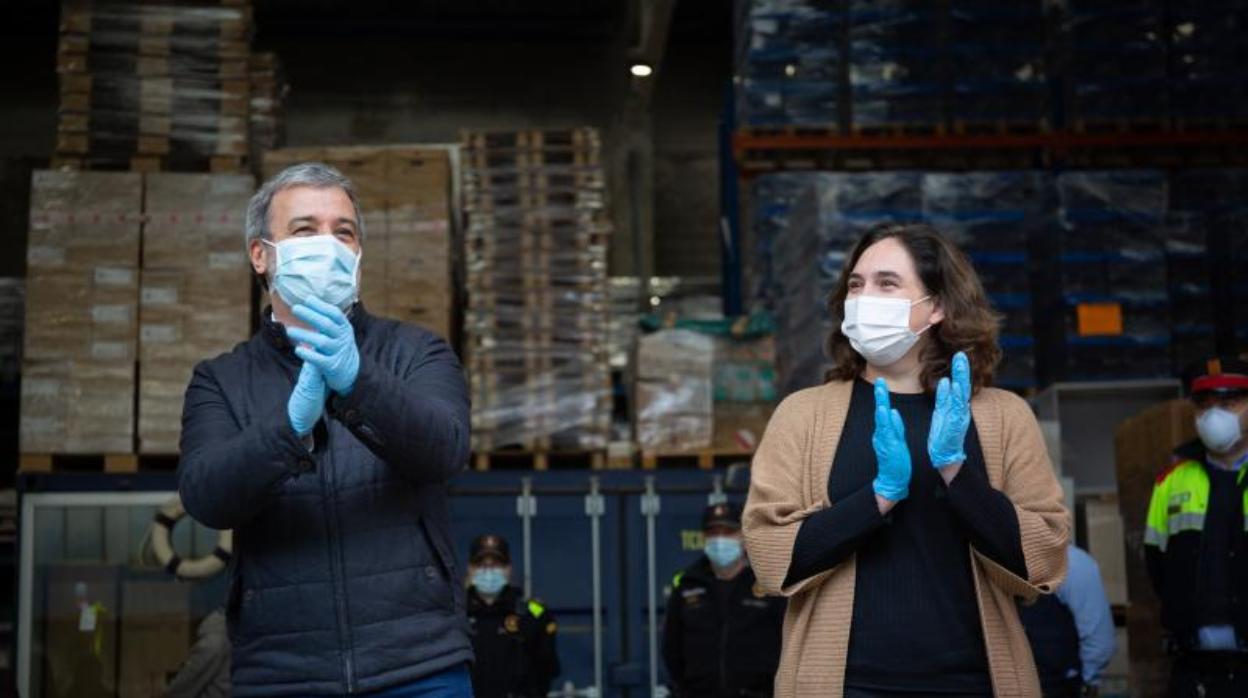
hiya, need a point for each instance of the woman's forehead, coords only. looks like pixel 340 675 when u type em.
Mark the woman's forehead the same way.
pixel 887 255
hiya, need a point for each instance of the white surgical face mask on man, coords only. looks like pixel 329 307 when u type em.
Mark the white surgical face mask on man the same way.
pixel 1219 429
pixel 878 328
pixel 316 265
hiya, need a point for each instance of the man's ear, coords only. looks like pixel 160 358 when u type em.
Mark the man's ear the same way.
pixel 257 257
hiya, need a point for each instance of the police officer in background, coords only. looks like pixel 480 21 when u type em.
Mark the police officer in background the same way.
pixel 1196 540
pixel 513 639
pixel 721 637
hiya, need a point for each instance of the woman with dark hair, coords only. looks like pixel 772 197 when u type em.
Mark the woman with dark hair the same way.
pixel 903 506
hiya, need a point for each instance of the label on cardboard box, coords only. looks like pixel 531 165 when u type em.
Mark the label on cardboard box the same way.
pixel 110 314
pixel 225 260
pixel 110 351
pixel 158 334
pixel 159 295
pixel 41 425
pixel 45 256
pixel 114 276
pixel 43 387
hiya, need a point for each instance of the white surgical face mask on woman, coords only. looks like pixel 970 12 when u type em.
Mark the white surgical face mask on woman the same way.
pixel 878 328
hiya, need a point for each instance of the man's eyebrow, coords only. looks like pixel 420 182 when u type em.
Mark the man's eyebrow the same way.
pixel 301 219
pixel 350 221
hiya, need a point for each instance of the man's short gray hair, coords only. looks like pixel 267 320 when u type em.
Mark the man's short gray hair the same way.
pixel 305 174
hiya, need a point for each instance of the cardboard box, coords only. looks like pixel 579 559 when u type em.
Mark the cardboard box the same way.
pixel 1107 545
pixel 81 312
pixel 1142 447
pixel 675 409
pixel 195 291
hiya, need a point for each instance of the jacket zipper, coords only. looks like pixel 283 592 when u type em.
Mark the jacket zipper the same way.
pixel 336 566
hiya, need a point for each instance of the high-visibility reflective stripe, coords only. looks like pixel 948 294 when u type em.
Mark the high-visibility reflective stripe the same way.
pixel 1156 538
pixel 1185 522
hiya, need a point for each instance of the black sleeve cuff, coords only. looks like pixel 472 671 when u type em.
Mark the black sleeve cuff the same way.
pixel 280 439
pixel 989 517
pixel 353 408
pixel 829 536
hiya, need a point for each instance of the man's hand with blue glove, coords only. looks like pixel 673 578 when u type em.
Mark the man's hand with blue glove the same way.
pixel 951 419
pixel 307 400
pixel 329 346
pixel 892 479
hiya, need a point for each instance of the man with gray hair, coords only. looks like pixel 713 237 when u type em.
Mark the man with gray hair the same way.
pixel 325 442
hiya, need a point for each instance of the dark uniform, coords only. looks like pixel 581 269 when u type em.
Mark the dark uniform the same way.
pixel 1196 549
pixel 513 638
pixel 721 638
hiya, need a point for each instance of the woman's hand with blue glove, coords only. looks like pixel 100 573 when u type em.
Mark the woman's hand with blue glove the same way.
pixel 329 346
pixel 307 400
pixel 892 480
pixel 951 419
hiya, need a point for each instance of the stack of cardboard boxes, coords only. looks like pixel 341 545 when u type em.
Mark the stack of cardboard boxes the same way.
pixel 78 373
pixel 154 86
pixel 194 293
pixel 96 311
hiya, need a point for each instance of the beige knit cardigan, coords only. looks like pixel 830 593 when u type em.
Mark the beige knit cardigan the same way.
pixel 789 481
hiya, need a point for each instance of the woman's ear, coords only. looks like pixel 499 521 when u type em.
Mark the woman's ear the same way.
pixel 938 311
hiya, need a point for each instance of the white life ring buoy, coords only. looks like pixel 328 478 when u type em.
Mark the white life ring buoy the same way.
pixel 198 568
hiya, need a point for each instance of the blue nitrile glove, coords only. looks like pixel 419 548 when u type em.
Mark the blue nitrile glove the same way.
pixel 307 400
pixel 331 347
pixel 892 479
pixel 952 416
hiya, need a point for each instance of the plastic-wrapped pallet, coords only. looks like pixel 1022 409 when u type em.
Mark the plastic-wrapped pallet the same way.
pixel 790 62
pixel 536 326
pixel 78 369
pixel 268 92
pixel 154 86
pixel 1113 274
pixel 1115 62
pixel 195 290
pixel 1208 211
pixel 410 252
pixel 993 216
pixel 997 63
pixel 675 408
pixel 1206 79
pixel 799 310
pixel 897 73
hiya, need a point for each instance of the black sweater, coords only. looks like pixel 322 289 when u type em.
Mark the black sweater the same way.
pixel 916 623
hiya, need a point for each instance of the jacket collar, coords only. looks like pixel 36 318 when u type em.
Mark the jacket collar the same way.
pixel 274 332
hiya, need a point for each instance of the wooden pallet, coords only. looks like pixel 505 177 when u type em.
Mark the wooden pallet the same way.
pixel 96 463
pixel 1005 127
pixel 1207 125
pixel 533 139
pixel 216 164
pixel 1121 125
pixel 830 130
pixel 899 129
pixel 704 459
pixel 539 460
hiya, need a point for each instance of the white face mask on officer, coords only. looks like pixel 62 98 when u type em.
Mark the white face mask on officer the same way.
pixel 1219 429
pixel 878 328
